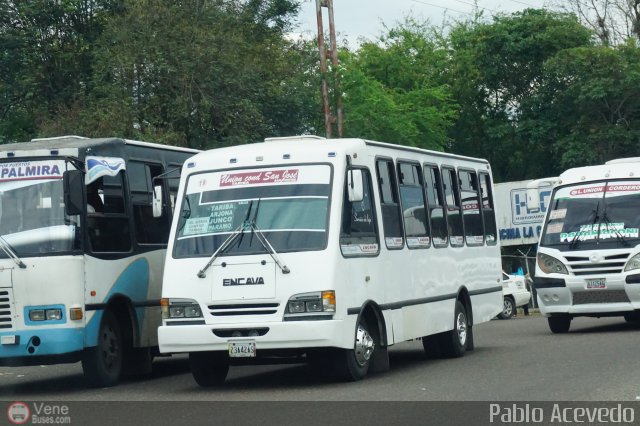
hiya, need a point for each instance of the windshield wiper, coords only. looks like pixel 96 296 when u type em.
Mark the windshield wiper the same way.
pixel 10 252
pixel 619 236
pixel 239 231
pixel 265 242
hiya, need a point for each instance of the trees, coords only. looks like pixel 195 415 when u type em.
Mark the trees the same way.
pixel 496 68
pixel 391 89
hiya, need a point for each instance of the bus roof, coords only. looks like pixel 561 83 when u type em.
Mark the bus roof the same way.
pixel 610 170
pixel 76 142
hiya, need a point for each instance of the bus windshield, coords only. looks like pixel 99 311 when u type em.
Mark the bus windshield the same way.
pixel 586 216
pixel 289 206
pixel 32 217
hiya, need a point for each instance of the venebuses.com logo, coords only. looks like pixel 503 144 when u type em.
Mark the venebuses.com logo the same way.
pixel 20 413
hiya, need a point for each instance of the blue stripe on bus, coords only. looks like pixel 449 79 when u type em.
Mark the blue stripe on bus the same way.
pixel 133 282
pixel 53 341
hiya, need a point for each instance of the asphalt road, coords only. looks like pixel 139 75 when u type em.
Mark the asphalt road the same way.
pixel 514 360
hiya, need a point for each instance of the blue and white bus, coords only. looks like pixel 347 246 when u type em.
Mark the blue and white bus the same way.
pixel 81 252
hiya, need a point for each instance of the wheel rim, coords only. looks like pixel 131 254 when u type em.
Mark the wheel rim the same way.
pixel 364 345
pixel 461 327
pixel 109 347
pixel 507 308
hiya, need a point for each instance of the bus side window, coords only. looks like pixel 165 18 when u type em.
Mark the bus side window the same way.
pixel 359 233
pixel 452 200
pixel 473 232
pixel 435 201
pixel 488 212
pixel 414 212
pixel 149 229
pixel 391 218
pixel 109 230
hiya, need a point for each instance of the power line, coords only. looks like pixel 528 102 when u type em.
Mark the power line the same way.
pixel 441 7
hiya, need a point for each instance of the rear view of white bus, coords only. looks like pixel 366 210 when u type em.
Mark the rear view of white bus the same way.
pixel 588 260
pixel 288 249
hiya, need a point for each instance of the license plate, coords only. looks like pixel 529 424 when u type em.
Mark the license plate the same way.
pixel 242 349
pixel 9 340
pixel 597 283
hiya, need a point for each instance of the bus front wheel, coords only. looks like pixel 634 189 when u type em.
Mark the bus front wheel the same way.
pixel 353 364
pixel 559 324
pixel 209 368
pixel 102 365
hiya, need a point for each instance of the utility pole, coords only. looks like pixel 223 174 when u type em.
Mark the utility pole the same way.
pixel 329 118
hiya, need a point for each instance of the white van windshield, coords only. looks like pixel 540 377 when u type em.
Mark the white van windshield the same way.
pixel 289 205
pixel 595 214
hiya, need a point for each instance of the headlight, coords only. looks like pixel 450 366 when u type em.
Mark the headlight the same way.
pixel 633 263
pixel 37 315
pixel 53 314
pixel 180 308
pixel 320 302
pixel 551 265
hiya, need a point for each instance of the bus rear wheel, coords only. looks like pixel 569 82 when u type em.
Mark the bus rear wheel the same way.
pixel 559 324
pixel 353 364
pixel 209 368
pixel 454 342
pixel 102 365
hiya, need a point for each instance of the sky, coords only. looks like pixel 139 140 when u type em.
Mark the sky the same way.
pixel 355 19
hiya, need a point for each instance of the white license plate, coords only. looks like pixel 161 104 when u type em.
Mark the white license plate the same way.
pixel 597 283
pixel 242 349
pixel 9 340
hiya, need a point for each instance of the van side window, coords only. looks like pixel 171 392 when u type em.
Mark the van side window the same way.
pixel 107 222
pixel 149 229
pixel 488 211
pixel 390 205
pixel 414 212
pixel 435 202
pixel 452 200
pixel 359 233
pixel 473 232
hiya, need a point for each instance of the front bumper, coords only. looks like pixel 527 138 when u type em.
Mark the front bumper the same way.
pixel 280 335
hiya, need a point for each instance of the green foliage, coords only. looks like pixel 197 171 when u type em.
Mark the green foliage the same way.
pixel 391 90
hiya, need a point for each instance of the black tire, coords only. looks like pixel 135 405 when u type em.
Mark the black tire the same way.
pixel 632 317
pixel 454 342
pixel 353 364
pixel 209 368
pixel 432 346
pixel 559 324
pixel 102 365
pixel 508 308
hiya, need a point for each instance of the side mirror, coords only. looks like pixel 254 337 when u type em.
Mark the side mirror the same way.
pixel 73 186
pixel 156 203
pixel 355 186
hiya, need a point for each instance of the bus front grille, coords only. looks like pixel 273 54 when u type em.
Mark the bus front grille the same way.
pixel 244 309
pixel 600 296
pixel 5 310
pixel 581 265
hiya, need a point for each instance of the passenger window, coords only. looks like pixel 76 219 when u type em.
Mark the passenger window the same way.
pixel 149 229
pixel 390 206
pixel 452 201
pixel 435 203
pixel 488 211
pixel 414 212
pixel 473 232
pixel 359 233
pixel 107 222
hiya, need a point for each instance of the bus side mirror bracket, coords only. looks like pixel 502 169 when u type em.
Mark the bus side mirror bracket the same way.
pixel 73 185
pixel 355 186
pixel 156 203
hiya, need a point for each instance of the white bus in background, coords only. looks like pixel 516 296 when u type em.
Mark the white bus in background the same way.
pixel 81 252
pixel 329 250
pixel 588 261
